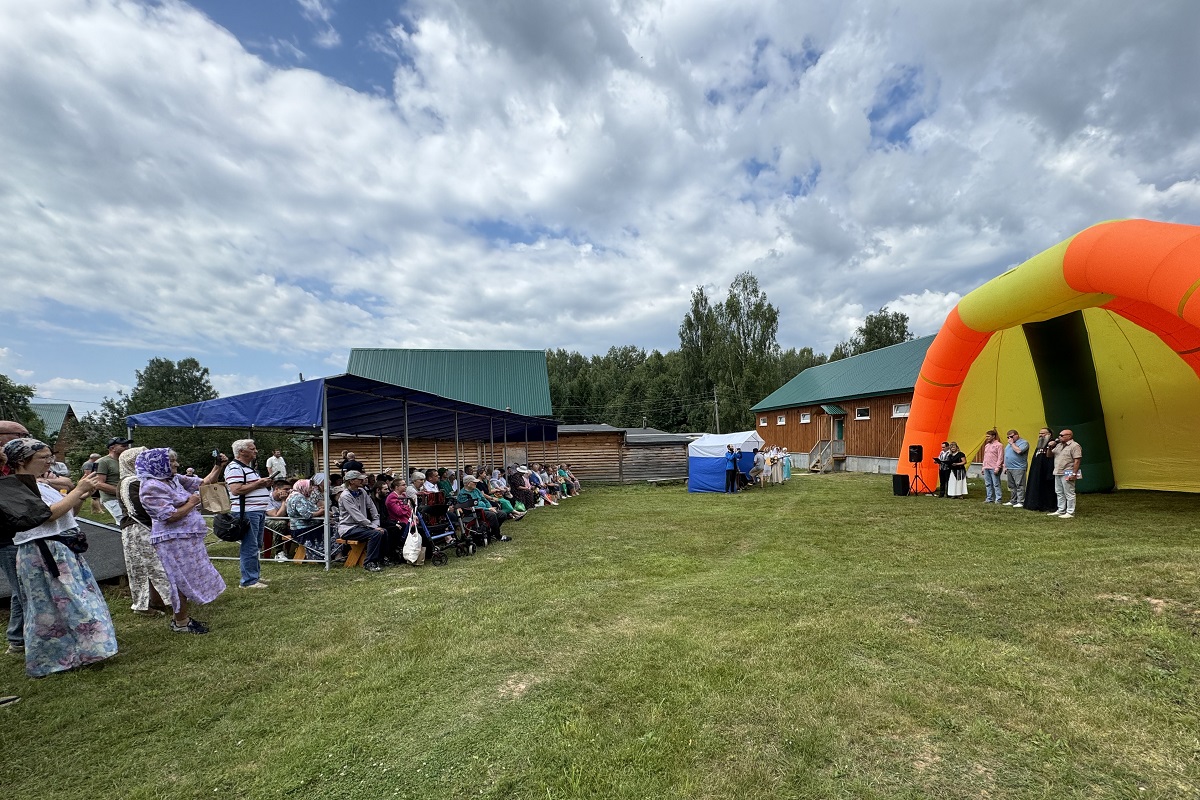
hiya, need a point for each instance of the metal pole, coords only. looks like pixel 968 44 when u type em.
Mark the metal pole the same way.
pixel 716 411
pixel 404 450
pixel 325 458
pixel 526 442
pixel 543 444
pixel 505 454
pixel 456 466
pixel 492 442
pixel 381 452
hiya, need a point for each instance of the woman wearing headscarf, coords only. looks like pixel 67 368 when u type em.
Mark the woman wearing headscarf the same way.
pixel 177 532
pixel 146 574
pixel 304 505
pixel 67 623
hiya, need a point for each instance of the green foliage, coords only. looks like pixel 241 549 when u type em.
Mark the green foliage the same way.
pixel 882 329
pixel 163 384
pixel 15 406
pixel 646 643
pixel 727 349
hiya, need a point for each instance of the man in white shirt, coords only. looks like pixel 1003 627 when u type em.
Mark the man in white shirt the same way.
pixel 276 466
pixel 243 481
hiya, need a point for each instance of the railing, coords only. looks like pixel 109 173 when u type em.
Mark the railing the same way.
pixel 824 452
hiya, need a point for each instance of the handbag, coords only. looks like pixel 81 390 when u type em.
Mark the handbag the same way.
pixel 214 498
pixel 230 528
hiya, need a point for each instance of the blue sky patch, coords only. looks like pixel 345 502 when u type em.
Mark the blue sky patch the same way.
pixel 902 100
pixel 278 32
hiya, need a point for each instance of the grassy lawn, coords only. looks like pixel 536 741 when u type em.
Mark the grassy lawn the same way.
pixel 820 640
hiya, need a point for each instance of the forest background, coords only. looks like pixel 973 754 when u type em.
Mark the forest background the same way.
pixel 728 359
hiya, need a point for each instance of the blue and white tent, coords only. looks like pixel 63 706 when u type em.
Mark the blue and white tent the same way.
pixel 706 458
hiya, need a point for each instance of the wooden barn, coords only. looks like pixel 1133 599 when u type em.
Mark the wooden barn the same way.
pixel 623 455
pixel 847 414
pixel 596 453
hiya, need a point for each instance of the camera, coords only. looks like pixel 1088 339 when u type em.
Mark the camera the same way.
pixel 216 456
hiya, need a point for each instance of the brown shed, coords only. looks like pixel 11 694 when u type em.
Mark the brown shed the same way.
pixel 623 455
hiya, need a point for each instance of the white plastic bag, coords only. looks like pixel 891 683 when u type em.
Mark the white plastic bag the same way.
pixel 414 548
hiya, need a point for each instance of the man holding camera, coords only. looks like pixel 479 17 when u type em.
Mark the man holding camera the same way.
pixel 1068 456
pixel 1015 454
pixel 243 481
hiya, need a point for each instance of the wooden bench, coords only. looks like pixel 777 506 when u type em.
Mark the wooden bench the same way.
pixel 358 551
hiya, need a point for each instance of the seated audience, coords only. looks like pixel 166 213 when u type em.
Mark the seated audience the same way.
pixel 470 496
pixel 359 519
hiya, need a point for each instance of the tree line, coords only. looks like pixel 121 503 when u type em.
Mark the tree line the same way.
pixel 728 359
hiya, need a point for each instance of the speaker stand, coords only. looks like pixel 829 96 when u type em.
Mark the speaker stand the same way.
pixel 917 481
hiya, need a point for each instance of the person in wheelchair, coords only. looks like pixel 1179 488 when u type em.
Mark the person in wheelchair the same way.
pixel 471 497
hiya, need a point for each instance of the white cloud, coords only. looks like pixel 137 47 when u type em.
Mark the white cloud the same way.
pixel 563 172
pixel 320 13
pixel 71 389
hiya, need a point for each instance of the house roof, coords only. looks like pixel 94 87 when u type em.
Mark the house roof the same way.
pixel 52 415
pixel 632 435
pixel 502 379
pixel 889 370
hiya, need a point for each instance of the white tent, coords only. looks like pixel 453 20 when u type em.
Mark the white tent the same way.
pixel 706 458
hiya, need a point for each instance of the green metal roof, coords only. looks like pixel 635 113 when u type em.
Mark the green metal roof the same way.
pixel 889 370
pixel 52 415
pixel 834 411
pixel 512 379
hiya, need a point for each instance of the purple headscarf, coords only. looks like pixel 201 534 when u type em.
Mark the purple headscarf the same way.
pixel 154 463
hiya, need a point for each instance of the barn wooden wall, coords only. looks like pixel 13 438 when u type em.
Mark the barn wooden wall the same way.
pixel 425 453
pixel 593 456
pixel 880 436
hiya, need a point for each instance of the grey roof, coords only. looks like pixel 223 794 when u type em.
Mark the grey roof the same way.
pixel 889 370
pixel 632 435
pixel 52 415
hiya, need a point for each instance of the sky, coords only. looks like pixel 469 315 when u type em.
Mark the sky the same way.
pixel 263 186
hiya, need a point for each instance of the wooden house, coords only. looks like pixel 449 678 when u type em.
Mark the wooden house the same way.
pixel 847 414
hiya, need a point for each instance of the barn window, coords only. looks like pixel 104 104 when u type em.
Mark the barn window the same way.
pixel 805 418
pixel 862 413
pixel 762 422
pixel 900 409
pixel 781 419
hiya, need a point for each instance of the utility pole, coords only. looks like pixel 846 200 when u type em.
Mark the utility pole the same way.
pixel 716 411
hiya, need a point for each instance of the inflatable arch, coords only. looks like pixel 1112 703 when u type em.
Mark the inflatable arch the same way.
pixel 1100 334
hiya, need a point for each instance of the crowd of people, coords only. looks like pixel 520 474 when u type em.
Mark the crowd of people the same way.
pixel 769 465
pixel 1041 478
pixel 58 618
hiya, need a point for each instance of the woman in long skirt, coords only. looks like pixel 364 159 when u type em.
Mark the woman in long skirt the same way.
pixel 67 623
pixel 177 531
pixel 957 487
pixel 147 578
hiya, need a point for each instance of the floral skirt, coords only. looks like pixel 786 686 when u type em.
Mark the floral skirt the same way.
pixel 144 568
pixel 67 623
pixel 189 570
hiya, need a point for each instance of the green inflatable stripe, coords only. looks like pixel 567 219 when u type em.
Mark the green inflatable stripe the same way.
pixel 1062 357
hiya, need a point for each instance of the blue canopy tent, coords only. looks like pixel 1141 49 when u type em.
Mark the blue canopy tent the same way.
pixel 706 458
pixel 355 406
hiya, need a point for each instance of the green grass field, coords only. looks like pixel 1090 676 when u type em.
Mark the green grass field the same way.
pixel 823 639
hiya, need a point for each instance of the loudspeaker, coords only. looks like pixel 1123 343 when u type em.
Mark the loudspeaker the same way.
pixel 916 454
pixel 900 484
